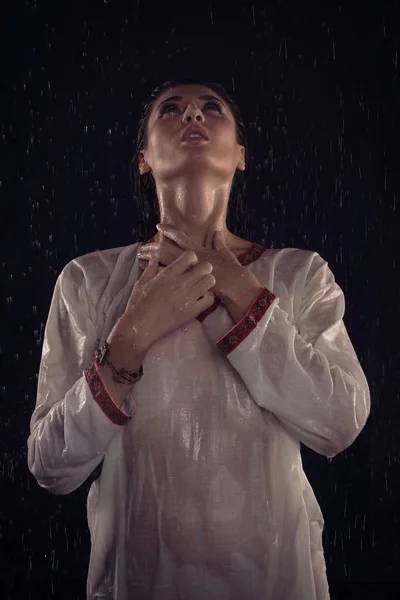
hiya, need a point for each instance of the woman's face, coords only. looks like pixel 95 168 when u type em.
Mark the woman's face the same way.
pixel 166 156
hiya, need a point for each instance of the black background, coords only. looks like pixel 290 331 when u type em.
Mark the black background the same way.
pixel 318 87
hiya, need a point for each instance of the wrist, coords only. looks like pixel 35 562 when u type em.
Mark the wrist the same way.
pixel 125 337
pixel 111 357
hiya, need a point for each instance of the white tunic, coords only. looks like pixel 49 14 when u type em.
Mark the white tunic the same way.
pixel 202 494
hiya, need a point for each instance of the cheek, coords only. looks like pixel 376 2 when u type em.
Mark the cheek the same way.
pixel 161 147
pixel 227 149
pixel 225 137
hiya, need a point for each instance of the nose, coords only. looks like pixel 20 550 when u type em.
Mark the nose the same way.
pixel 193 113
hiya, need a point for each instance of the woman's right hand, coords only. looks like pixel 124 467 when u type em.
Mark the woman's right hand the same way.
pixel 161 301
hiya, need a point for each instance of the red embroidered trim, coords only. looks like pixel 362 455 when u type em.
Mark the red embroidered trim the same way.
pixel 251 255
pixel 209 310
pixel 255 313
pixel 102 397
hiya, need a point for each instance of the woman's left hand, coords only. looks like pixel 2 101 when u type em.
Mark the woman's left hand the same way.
pixel 227 270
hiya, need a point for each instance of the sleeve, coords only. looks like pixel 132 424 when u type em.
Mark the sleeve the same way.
pixel 307 373
pixel 74 419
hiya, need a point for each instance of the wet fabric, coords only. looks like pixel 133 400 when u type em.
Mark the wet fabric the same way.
pixel 202 493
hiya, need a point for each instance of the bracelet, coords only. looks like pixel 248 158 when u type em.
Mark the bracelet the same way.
pixel 119 376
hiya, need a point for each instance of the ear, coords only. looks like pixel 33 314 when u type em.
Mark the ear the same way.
pixel 242 161
pixel 143 166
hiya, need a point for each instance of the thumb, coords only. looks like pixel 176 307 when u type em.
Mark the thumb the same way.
pixel 218 240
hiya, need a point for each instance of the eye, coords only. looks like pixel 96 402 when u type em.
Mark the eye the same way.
pixel 215 104
pixel 174 105
pixel 165 108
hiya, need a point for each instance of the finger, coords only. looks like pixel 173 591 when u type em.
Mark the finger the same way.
pixel 180 238
pixel 143 264
pixel 150 246
pixel 147 254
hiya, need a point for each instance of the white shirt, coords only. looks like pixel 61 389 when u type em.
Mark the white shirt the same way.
pixel 202 493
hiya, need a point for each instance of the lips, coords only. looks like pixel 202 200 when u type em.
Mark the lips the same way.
pixel 192 129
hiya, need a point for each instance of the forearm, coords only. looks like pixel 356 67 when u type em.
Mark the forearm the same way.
pixel 237 306
pixel 125 352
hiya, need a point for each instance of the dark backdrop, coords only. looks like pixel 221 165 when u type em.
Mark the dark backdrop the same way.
pixel 319 89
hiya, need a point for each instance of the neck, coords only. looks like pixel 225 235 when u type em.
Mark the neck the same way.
pixel 196 210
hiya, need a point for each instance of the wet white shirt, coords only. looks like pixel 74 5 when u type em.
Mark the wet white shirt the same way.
pixel 202 493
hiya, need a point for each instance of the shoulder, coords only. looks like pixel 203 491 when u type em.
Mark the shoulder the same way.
pixel 295 260
pixel 302 271
pixel 306 277
pixel 100 264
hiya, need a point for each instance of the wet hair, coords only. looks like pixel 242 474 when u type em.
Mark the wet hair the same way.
pixel 144 185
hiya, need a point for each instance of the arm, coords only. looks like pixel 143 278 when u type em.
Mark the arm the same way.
pixel 124 350
pixel 306 374
pixel 74 419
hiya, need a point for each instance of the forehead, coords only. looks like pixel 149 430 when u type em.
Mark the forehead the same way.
pixel 188 93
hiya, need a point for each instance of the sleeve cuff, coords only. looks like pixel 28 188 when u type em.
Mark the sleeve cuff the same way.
pixel 102 397
pixel 245 326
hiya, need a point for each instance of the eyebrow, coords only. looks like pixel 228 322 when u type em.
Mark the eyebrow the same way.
pixel 177 98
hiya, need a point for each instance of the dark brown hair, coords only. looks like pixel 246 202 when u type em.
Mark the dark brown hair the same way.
pixel 144 186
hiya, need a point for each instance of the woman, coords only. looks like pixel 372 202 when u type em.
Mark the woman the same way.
pixel 217 365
